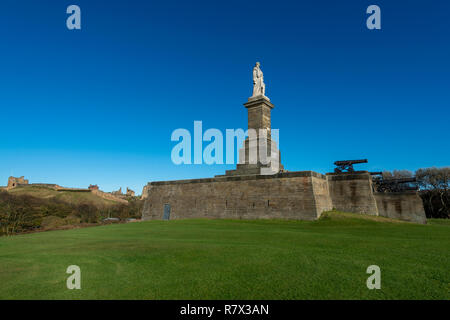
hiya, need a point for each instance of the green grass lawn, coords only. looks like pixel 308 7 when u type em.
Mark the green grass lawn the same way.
pixel 232 259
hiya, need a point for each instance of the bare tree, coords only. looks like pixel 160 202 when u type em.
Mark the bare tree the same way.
pixel 396 174
pixel 435 188
pixel 14 213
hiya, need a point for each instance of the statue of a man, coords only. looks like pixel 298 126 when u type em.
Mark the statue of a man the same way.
pixel 259 88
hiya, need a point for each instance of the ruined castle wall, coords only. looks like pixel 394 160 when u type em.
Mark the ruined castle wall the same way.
pixel 14 182
pixel 46 185
pixel 108 196
pixel 406 206
pixel 352 193
pixel 285 195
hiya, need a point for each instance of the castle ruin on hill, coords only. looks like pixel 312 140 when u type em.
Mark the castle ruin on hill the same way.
pixel 14 182
pixel 245 193
pixel 118 196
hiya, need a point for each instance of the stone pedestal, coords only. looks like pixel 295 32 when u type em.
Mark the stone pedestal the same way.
pixel 251 159
pixel 258 109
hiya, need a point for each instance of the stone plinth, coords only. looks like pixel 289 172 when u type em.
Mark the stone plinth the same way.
pixel 258 109
pixel 251 159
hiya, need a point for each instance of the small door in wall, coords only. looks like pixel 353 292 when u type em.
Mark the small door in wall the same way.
pixel 166 212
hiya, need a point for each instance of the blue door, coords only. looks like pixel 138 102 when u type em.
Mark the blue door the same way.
pixel 166 212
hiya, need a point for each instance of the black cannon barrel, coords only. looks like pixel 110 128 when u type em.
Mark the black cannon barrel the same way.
pixel 347 162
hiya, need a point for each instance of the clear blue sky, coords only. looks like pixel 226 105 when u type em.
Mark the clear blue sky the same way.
pixel 99 105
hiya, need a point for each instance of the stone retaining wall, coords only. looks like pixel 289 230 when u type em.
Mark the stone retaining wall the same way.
pixel 406 206
pixel 301 195
pixel 352 192
pixel 297 195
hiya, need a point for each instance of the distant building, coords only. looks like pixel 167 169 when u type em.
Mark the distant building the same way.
pixel 131 193
pixel 14 182
pixel 93 187
pixel 118 192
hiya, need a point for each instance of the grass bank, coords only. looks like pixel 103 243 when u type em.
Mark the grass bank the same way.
pixel 232 259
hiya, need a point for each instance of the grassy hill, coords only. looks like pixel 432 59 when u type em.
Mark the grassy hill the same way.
pixel 38 208
pixel 232 259
pixel 67 196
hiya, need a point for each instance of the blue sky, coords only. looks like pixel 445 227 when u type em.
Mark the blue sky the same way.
pixel 98 105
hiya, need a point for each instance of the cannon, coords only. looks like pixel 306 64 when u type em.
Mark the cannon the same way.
pixel 347 165
pixel 395 185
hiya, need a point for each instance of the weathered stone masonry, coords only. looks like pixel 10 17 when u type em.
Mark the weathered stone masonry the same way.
pixel 302 195
pixel 292 195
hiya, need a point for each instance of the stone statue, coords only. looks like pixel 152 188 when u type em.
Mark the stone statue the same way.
pixel 259 88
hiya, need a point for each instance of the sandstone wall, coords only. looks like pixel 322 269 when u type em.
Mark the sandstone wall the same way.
pixel 406 206
pixel 352 193
pixel 302 195
pixel 321 194
pixel 145 190
pixel 14 182
pixel 288 195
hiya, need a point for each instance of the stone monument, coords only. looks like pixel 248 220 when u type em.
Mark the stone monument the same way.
pixel 260 154
pixel 257 190
pixel 259 88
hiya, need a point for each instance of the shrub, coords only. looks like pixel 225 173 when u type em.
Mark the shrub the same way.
pixel 52 222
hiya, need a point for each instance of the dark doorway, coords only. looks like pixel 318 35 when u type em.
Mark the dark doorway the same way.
pixel 166 212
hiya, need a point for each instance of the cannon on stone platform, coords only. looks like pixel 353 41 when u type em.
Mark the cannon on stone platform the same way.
pixel 395 185
pixel 347 165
